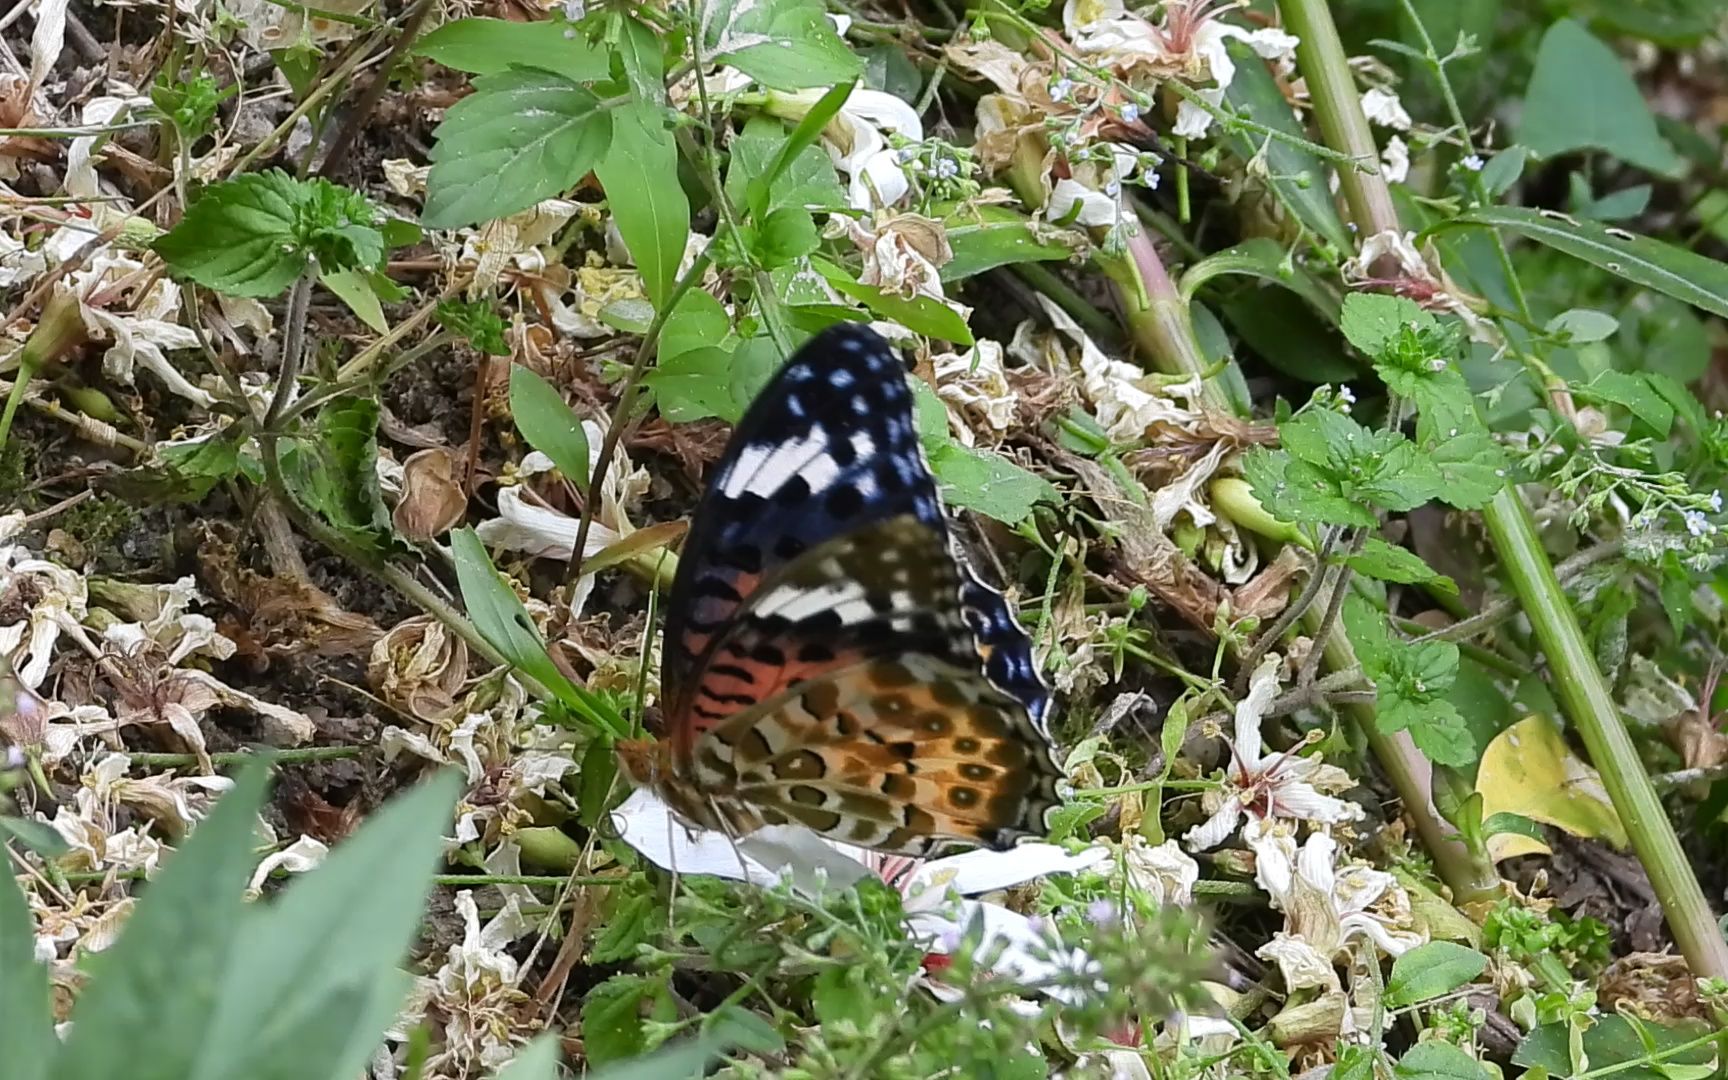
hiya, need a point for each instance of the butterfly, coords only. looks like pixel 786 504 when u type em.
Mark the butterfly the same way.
pixel 829 658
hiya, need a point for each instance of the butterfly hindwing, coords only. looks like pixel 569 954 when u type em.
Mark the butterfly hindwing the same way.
pixel 904 754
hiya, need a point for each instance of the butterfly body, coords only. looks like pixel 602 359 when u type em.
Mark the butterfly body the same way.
pixel 829 659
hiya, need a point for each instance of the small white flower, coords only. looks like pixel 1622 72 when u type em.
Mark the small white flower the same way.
pixel 1346 395
pixel 1715 502
pixel 1474 163
pixel 1060 89
pixel 1697 524
pixel 1395 161
pixel 1130 113
pixel 947 169
pixel 574 10
pixel 1277 785
pixel 1384 108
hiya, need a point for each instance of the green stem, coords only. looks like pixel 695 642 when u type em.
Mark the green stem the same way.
pixel 1588 703
pixel 230 758
pixel 1158 317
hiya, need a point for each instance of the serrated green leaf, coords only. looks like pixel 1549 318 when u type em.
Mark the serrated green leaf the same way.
pixel 1378 559
pixel 612 1016
pixel 548 423
pixel 1370 320
pixel 334 472
pixel 25 1011
pixel 524 135
pixel 988 483
pixel 1472 469
pixel 489 46
pixel 253 235
pixel 1582 97
pixel 1430 970
pixel 182 936
pixel 787 235
pixel 640 175
pixel 1682 274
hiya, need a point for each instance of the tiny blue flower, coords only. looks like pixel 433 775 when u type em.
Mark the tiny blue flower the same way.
pixel 1060 89
pixel 1474 163
pixel 1130 113
pixel 1697 524
pixel 1715 502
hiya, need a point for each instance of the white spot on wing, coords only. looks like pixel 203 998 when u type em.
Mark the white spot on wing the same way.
pixel 763 468
pixel 795 604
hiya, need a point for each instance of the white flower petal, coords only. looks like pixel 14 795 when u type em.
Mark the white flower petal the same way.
pixel 983 870
pixel 1097 210
pixel 1217 828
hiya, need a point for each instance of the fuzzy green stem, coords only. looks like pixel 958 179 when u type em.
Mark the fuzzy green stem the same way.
pixel 1158 316
pixel 1588 703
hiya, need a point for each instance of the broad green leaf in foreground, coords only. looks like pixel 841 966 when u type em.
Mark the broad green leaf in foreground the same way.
pixel 988 483
pixel 524 135
pixel 253 235
pixel 146 1012
pixel 334 472
pixel 785 44
pixel 313 980
pixel 24 995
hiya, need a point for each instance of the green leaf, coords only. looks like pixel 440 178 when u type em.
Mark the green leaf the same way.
pixel 640 175
pixel 336 934
pixel 786 236
pixel 1581 97
pixel 522 136
pixel 38 836
pixel 1378 559
pixel 1472 469
pixel 698 322
pixel 549 425
pixel 746 1030
pixel 1297 177
pixel 807 181
pixel 502 620
pixel 1668 269
pixel 988 483
pixel 1613 1042
pixel 1515 824
pixel 1580 326
pixel 1637 394
pixel 986 237
pixel 612 1016
pixel 920 314
pixel 334 472
pixel 253 235
pixel 489 46
pixel 782 44
pixel 643 56
pixel 539 1060
pixel 1427 971
pixel 354 288
pixel 803 137
pixel 1436 727
pixel 1435 1060
pixel 686 1059
pixel 1372 320
pixel 146 1011
pixel 475 321
pixel 25 1011
pixel 695 385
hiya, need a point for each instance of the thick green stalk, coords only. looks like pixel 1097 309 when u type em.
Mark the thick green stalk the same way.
pixel 1585 696
pixel 1577 680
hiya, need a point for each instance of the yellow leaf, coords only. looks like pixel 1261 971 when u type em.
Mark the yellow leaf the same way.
pixel 1528 769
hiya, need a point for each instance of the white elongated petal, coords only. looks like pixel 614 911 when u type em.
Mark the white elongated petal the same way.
pixel 1217 828
pixel 1389 941
pixel 647 824
pixel 877 181
pixel 1097 210
pixel 297 858
pixel 1027 954
pixel 1301 964
pixel 1262 688
pixel 1166 872
pixel 1271 43
pixel 1192 121
pixel 1395 161
pixel 983 870
pixel 885 111
pixel 538 531
pixel 1385 109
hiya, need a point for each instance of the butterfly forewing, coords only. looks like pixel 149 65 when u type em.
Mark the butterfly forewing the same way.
pixel 830 660
pixel 830 445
